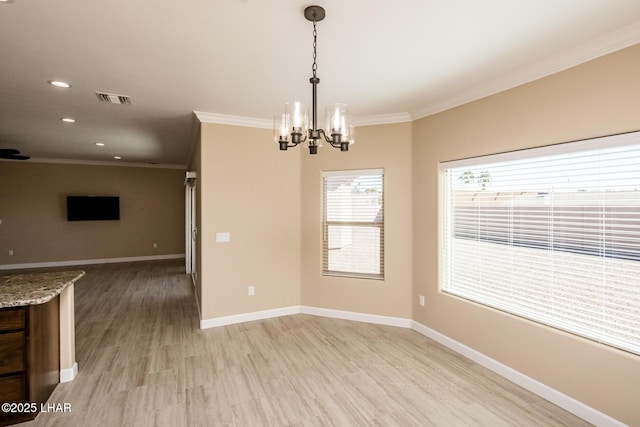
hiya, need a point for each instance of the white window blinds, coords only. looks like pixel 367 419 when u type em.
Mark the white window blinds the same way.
pixel 353 223
pixel 550 234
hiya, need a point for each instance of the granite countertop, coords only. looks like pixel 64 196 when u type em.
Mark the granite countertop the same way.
pixel 34 288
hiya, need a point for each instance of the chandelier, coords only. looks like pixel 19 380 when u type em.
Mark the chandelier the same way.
pixel 292 127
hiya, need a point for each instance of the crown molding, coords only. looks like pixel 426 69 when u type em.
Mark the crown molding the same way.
pixel 568 58
pixel 118 163
pixel 604 45
pixel 69 263
pixel 224 119
pixel 382 119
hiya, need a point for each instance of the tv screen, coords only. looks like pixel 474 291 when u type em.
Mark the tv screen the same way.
pixel 93 208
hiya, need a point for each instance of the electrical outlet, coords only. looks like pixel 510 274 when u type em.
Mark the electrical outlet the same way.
pixel 252 291
pixel 422 300
pixel 155 245
pixel 10 252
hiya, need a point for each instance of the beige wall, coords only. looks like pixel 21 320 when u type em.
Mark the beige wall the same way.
pixel 387 147
pixel 597 98
pixel 33 212
pixel 251 190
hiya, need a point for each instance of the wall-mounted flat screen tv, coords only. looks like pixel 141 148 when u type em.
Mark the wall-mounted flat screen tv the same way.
pixel 93 208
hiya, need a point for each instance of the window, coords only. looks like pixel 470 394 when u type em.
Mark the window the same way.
pixel 353 223
pixel 551 234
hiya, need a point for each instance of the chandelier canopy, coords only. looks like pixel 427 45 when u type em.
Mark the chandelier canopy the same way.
pixel 292 127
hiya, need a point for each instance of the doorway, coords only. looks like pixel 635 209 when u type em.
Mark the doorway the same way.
pixel 191 229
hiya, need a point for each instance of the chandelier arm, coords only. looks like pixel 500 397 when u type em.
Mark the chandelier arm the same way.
pixel 302 139
pixel 295 144
pixel 326 138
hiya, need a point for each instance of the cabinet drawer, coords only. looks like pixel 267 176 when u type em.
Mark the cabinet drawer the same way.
pixel 13 388
pixel 12 352
pixel 12 318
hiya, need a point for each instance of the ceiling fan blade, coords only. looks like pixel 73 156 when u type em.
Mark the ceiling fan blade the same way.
pixel 12 154
pixel 8 151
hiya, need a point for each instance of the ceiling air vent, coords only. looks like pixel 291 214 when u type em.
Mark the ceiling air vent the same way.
pixel 113 98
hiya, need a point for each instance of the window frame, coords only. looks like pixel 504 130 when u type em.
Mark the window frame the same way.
pixel 325 271
pixel 446 231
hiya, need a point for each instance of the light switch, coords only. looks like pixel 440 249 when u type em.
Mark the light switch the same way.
pixel 223 237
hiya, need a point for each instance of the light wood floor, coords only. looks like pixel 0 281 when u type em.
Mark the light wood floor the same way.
pixel 143 362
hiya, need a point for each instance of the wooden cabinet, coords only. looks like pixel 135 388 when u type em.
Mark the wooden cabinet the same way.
pixel 29 356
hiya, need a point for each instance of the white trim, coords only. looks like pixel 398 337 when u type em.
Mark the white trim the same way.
pixel 88 261
pixel 607 44
pixel 251 122
pixel 189 220
pixel 248 317
pixel 99 163
pixel 399 322
pixel 382 119
pixel 589 144
pixel 189 176
pixel 349 172
pixel 570 404
pixel 69 374
pixel 302 309
pixel 225 119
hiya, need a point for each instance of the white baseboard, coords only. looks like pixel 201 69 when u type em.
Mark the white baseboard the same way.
pixel 358 317
pixel 88 262
pixel 302 309
pixel 574 406
pixel 69 374
pixel 248 317
pixel 570 404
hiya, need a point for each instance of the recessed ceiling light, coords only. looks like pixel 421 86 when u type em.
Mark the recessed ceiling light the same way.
pixel 100 144
pixel 68 120
pixel 117 157
pixel 58 83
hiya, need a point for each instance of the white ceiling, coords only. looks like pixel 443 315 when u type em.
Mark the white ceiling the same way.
pixel 388 60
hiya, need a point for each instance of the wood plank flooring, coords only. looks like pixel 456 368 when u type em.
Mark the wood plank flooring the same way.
pixel 144 362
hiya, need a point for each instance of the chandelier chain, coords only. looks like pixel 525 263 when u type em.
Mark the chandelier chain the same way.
pixel 314 67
